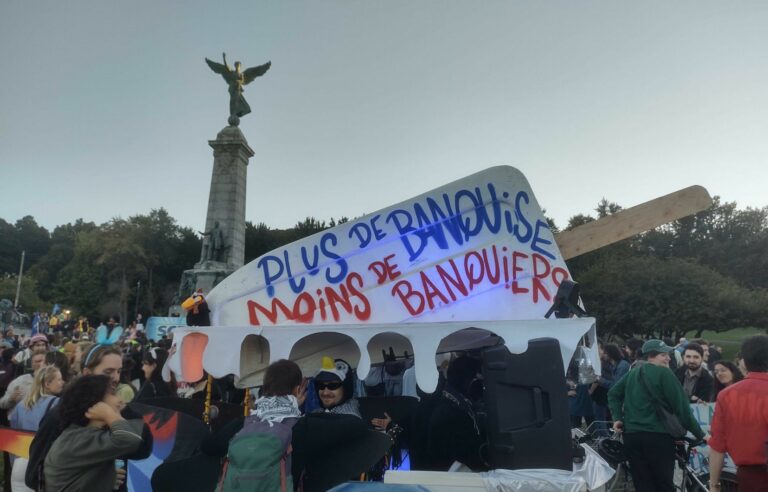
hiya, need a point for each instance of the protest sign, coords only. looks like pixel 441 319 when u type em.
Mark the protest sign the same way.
pixel 157 326
pixel 703 412
pixel 475 252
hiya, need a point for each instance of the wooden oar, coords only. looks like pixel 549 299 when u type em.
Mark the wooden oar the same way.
pixel 632 221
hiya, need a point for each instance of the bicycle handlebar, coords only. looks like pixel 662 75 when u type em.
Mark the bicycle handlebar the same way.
pixel 691 441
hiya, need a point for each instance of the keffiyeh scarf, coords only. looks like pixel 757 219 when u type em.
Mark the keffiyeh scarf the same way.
pixel 277 408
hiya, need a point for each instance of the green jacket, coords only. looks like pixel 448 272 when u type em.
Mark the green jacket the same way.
pixel 630 403
pixel 82 459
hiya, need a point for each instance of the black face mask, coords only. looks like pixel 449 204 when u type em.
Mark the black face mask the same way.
pixel 475 389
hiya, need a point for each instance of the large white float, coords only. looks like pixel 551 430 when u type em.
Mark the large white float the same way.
pixel 475 253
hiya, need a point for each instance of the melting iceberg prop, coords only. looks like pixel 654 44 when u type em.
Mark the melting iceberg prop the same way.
pixel 475 253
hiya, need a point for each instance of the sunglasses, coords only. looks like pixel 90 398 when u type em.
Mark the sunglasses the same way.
pixel 331 386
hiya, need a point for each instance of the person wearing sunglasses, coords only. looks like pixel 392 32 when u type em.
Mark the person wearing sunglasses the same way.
pixel 334 387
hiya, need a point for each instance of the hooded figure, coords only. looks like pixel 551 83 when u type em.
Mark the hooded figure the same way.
pixel 453 431
pixel 334 386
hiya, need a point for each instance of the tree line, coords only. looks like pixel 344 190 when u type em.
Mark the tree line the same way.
pixel 704 272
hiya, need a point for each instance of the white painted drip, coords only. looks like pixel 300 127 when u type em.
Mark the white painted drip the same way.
pixel 221 355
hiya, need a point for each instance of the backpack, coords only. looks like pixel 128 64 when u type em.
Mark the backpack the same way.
pixel 258 458
pixel 46 434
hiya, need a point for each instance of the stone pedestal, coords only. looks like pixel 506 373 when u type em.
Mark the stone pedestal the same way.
pixel 223 249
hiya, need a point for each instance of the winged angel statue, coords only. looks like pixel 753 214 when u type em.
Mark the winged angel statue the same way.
pixel 236 79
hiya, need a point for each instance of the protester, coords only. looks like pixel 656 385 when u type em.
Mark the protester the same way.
pixel 59 360
pixel 453 431
pixel 707 351
pixel 53 323
pixel 277 411
pixel 125 389
pixel 580 404
pixel 649 447
pixel 197 390
pixel 19 388
pixel 632 348
pixel 109 333
pixel 675 359
pixel 102 360
pixel 95 434
pixel 27 415
pixel 726 373
pixel 715 354
pixel 10 338
pixel 43 394
pixel 81 349
pixel 614 367
pixel 106 360
pixel 37 342
pixel 7 367
pixel 154 387
pixel 55 342
pixel 130 332
pixel 696 380
pixel 68 349
pixel 334 384
pixel 740 422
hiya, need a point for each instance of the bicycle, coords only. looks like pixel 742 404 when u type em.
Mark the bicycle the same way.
pixel 693 481
pixel 599 436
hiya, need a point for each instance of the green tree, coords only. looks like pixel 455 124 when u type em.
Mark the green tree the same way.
pixel 60 253
pixel 34 239
pixel 81 285
pixel 667 297
pixel 124 259
pixel 261 239
pixel 29 301
pixel 169 250
pixel 727 239
pixel 10 248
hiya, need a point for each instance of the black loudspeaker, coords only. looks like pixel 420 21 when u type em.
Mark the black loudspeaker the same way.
pixel 528 424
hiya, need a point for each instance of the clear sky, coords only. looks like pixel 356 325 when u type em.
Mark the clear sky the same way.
pixel 106 107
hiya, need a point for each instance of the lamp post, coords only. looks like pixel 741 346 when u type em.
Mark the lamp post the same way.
pixel 136 307
pixel 18 281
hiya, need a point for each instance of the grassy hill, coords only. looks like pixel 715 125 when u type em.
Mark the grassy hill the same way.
pixel 730 340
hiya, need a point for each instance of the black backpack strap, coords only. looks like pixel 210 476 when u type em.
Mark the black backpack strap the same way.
pixel 50 404
pixel 655 401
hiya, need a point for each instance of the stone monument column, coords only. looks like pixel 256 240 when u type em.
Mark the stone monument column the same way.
pixel 223 249
pixel 226 201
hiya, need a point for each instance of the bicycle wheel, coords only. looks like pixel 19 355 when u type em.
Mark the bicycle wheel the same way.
pixel 728 482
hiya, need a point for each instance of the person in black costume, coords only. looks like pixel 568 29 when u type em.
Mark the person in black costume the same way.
pixel 154 386
pixel 453 431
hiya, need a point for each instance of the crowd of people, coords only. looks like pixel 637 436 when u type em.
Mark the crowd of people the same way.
pixel 33 374
pixel 697 364
pixel 72 391
pixel 651 408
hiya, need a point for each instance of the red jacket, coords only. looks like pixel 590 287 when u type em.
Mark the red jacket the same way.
pixel 740 423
